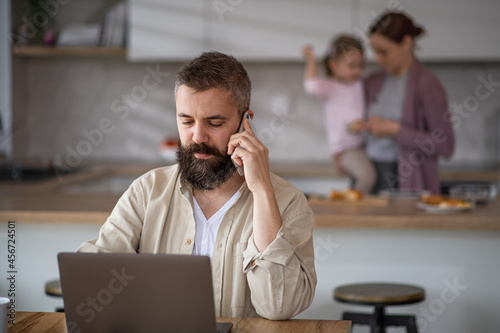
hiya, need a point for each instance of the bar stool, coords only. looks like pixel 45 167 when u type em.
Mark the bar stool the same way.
pixel 380 295
pixel 53 288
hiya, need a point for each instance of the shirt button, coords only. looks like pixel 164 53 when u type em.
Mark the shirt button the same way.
pixel 203 241
pixel 188 241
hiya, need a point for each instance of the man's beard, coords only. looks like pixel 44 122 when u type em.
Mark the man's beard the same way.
pixel 204 174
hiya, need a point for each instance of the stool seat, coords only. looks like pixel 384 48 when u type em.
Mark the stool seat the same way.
pixel 53 288
pixel 379 294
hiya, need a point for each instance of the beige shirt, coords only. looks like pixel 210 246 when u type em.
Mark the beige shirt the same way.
pixel 155 215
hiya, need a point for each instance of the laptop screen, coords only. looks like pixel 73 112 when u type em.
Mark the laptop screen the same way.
pixel 117 292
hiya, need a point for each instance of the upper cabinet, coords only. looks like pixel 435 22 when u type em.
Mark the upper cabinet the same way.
pixel 459 30
pixel 247 29
pixel 268 30
pixel 277 29
pixel 166 29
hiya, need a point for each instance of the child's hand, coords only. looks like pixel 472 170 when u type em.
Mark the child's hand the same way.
pixel 357 126
pixel 380 126
pixel 308 52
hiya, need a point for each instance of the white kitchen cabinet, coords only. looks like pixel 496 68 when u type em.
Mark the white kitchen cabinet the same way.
pixel 166 29
pixel 247 29
pixel 276 29
pixel 456 29
pixel 267 30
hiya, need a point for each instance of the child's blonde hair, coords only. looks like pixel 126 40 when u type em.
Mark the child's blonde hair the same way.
pixel 339 47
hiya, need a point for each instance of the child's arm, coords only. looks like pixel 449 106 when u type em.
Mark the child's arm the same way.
pixel 311 71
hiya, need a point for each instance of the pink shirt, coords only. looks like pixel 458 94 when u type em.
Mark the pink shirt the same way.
pixel 342 104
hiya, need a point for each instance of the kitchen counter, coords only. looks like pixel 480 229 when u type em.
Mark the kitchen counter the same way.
pixel 401 214
pixel 44 202
pixel 322 170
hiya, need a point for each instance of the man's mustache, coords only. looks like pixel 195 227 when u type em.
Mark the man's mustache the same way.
pixel 202 148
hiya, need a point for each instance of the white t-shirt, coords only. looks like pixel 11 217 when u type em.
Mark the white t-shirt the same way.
pixel 206 230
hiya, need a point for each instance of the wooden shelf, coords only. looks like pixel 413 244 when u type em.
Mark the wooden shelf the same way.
pixel 40 51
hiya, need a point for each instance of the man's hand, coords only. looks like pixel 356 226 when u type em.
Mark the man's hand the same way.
pixel 379 126
pixel 248 151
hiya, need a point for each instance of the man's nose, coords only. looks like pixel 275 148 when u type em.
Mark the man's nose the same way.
pixel 200 134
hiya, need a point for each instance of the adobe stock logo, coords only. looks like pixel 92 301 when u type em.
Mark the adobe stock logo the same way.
pixel 280 121
pixel 222 6
pixel 324 248
pixel 121 108
pixel 437 305
pixel 104 297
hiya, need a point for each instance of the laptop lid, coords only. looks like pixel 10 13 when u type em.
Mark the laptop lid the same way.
pixel 117 292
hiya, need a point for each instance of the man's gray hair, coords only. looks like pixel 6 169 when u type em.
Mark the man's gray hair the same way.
pixel 217 70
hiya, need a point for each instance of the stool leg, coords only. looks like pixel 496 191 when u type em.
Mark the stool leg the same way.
pixel 377 325
pixel 379 321
pixel 357 318
pixel 408 321
pixel 412 325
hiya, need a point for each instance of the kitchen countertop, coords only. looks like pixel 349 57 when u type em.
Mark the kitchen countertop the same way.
pixel 43 202
pixel 403 214
pixel 321 170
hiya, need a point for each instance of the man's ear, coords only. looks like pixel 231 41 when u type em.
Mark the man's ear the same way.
pixel 250 112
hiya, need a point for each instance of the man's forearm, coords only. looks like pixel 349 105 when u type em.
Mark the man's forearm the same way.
pixel 266 218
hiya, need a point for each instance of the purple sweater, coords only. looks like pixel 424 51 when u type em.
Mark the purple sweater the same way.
pixel 426 129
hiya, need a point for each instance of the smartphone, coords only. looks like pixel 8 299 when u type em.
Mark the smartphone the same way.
pixel 246 115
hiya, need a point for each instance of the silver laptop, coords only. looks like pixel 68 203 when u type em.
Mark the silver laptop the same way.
pixel 130 293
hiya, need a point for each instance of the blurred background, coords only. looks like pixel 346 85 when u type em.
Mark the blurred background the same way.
pixel 56 96
pixel 87 105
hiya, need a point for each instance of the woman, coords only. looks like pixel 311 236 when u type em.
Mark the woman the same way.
pixel 408 121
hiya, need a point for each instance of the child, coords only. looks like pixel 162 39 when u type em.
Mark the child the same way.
pixel 343 101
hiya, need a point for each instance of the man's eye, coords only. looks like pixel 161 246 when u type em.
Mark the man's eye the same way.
pixel 215 124
pixel 187 122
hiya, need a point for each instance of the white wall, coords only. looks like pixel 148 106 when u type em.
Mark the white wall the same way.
pixel 433 259
pixel 77 94
pixel 37 246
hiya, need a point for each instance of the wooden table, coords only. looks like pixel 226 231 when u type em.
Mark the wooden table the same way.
pixel 54 322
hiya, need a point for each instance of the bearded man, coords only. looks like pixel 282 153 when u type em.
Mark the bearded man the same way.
pixel 256 228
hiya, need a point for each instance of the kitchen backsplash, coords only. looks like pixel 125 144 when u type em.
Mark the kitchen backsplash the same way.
pixel 81 110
